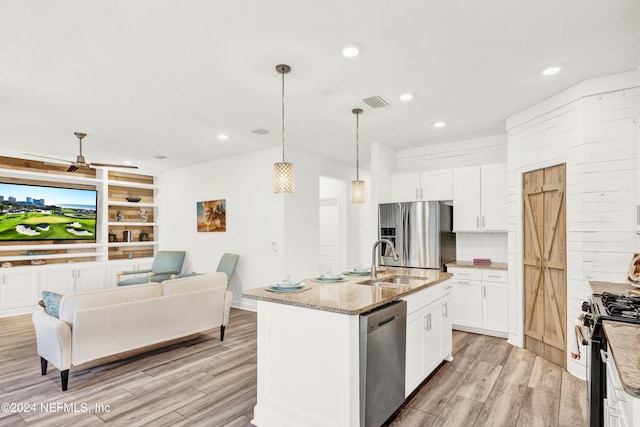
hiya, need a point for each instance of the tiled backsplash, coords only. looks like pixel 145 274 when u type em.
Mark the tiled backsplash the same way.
pixel 481 245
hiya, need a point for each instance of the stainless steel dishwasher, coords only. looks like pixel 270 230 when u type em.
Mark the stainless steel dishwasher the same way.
pixel 382 362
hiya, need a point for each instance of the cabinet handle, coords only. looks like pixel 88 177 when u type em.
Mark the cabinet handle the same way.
pixel 462 282
pixel 462 274
pixel 426 322
pixel 484 291
pixel 494 277
pixel 429 321
pixel 416 194
pixel 477 222
pixel 482 221
pixel 421 194
pixel 445 310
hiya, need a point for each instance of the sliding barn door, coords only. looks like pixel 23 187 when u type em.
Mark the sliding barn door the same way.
pixel 544 263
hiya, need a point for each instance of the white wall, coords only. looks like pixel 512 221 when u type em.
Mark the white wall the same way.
pixel 590 128
pixel 256 217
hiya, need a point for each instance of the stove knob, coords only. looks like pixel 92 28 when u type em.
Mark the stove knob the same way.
pixel 587 321
pixel 586 306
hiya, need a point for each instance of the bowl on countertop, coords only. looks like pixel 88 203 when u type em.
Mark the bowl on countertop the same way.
pixel 133 199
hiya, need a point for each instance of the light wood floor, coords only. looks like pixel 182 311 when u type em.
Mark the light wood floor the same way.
pixel 205 382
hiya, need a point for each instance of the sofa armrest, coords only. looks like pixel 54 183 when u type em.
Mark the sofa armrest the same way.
pixel 132 273
pixel 228 298
pixel 53 338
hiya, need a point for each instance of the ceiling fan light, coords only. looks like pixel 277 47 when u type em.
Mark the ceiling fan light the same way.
pixel 283 177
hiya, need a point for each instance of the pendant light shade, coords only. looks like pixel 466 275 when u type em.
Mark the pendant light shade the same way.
pixel 283 171
pixel 357 186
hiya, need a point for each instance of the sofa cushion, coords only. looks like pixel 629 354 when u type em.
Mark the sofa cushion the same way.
pixel 194 283
pixel 52 302
pixel 75 301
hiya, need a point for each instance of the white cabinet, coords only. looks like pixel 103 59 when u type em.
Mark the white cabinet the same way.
pixel 495 301
pixel 620 408
pixel 66 278
pixel 466 296
pixel 424 186
pixel 18 288
pixel 479 300
pixel 428 336
pixel 480 198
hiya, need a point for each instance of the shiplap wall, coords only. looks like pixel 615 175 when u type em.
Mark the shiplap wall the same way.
pixel 594 136
pixel 468 152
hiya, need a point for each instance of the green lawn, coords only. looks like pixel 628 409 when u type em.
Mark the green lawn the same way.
pixel 57 226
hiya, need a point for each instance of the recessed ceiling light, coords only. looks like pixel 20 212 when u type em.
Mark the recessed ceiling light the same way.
pixel 551 70
pixel 406 97
pixel 159 157
pixel 127 162
pixel 351 50
pixel 440 124
pixel 223 136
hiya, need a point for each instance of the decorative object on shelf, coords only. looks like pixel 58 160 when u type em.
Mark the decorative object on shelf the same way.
pixel 38 262
pixel 119 216
pixel 144 215
pixel 80 160
pixel 7 264
pixel 133 199
pixel 481 261
pixel 130 255
pixel 37 253
pixel 633 278
pixel 283 171
pixel 144 237
pixel 113 237
pixel 212 215
pixel 127 236
pixel 357 186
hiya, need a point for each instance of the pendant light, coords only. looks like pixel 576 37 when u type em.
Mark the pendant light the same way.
pixel 283 171
pixel 357 186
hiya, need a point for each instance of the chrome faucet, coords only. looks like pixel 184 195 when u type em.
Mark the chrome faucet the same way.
pixel 374 268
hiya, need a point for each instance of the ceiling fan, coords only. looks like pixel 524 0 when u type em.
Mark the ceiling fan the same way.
pixel 80 162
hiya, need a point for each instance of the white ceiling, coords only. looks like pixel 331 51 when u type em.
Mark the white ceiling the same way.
pixel 159 77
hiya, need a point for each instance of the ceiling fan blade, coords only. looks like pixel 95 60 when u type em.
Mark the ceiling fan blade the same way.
pixel 50 158
pixel 111 165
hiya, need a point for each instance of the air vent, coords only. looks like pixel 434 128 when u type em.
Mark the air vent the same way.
pixel 376 102
pixel 259 131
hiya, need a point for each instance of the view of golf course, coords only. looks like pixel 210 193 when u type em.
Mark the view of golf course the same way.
pixel 46 223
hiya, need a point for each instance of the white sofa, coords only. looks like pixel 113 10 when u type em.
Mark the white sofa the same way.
pixel 104 322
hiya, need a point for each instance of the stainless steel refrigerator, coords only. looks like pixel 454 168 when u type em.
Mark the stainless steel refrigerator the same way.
pixel 421 233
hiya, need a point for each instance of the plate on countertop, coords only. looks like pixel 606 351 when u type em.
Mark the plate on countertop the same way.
pixel 334 279
pixel 289 289
pixel 291 285
pixel 358 272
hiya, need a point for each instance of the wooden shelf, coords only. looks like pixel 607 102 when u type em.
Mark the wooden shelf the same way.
pixel 125 244
pixel 133 205
pixel 48 256
pixel 132 224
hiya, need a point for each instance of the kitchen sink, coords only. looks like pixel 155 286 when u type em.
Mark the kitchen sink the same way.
pixel 395 281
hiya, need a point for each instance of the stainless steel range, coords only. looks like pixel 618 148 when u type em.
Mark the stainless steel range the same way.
pixel 605 306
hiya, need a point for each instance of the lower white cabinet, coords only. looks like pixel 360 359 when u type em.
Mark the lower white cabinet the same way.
pixel 65 278
pixel 479 300
pixel 620 408
pixel 18 288
pixel 429 339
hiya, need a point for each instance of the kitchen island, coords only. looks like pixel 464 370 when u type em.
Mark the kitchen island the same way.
pixel 308 344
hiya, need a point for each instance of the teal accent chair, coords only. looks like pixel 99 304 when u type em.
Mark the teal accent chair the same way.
pixel 166 265
pixel 228 264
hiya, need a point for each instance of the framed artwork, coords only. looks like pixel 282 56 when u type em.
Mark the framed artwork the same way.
pixel 212 215
pixel 634 271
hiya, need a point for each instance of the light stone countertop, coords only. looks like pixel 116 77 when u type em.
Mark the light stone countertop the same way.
pixel 624 343
pixel 349 297
pixel 470 264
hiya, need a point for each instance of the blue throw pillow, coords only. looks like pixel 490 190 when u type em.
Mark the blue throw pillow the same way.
pixel 52 303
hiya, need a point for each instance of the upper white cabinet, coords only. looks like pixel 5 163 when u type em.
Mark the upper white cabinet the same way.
pixel 424 186
pixel 480 198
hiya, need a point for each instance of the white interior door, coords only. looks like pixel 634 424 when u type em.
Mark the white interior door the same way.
pixel 330 235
